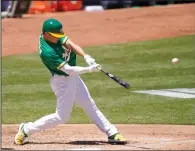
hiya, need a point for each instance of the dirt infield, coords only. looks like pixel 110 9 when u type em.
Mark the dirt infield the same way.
pixel 20 36
pixel 83 136
pixel 113 26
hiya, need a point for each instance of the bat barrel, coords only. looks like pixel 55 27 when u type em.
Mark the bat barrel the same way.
pixel 116 79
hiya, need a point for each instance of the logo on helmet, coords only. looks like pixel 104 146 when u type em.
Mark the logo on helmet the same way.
pixel 61 31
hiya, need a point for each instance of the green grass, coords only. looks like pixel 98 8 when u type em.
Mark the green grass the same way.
pixel 27 96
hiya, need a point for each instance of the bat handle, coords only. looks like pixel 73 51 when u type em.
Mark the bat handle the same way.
pixel 99 68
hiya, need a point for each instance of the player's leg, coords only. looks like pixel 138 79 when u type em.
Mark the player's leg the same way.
pixel 87 103
pixel 64 89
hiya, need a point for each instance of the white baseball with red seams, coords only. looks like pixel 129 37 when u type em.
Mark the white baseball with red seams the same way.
pixel 175 60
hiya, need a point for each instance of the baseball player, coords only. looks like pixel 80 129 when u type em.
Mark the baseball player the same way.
pixel 58 54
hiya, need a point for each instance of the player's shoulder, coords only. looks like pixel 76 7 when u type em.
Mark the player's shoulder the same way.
pixel 44 46
pixel 47 53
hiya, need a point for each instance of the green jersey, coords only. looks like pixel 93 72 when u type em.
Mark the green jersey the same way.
pixel 54 56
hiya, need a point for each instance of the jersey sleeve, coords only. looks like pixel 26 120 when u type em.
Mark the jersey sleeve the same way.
pixel 63 39
pixel 52 60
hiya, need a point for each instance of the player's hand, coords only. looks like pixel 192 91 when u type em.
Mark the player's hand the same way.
pixel 94 68
pixel 89 60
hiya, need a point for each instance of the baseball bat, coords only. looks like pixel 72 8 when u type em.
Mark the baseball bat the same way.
pixel 116 79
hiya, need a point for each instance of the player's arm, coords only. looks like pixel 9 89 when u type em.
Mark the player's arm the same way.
pixel 76 48
pixel 79 51
pixel 72 70
pixel 55 62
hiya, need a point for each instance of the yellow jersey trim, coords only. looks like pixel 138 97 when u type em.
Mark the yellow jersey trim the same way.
pixel 63 63
pixel 64 41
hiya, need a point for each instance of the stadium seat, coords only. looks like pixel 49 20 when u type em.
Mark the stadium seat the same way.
pixel 69 5
pixel 42 7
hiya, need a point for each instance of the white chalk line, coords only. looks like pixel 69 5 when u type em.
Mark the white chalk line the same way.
pixel 183 90
pixel 167 93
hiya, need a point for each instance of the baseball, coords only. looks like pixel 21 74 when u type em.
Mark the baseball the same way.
pixel 175 60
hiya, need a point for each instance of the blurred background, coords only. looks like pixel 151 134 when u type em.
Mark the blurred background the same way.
pixel 10 8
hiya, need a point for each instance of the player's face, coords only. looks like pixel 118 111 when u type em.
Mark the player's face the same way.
pixel 50 38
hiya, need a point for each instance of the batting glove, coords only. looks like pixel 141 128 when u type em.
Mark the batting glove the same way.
pixel 89 60
pixel 94 68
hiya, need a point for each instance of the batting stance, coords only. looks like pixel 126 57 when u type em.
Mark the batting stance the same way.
pixel 58 54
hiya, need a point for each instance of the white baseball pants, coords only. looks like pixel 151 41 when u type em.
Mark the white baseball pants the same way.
pixel 67 91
